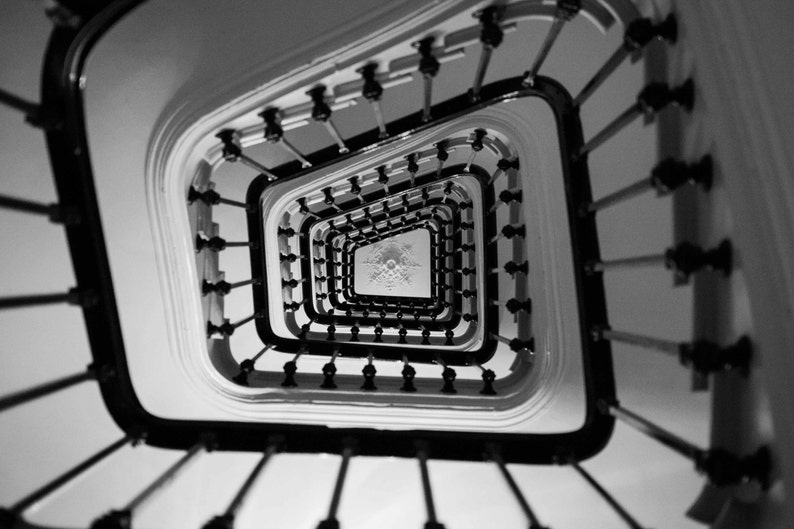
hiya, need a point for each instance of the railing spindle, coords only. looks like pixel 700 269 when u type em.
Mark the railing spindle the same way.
pixel 720 466
pixel 491 36
pixel 566 10
pixel 331 522
pixel 233 152
pixel 488 379
pixel 29 501
pixel 421 456
pixel 122 518
pixel 290 369
pixel 684 259
pixel 227 328
pixel 54 212
pixel 247 367
pixel 495 456
pixel 510 231
pixel 408 372
pixel 703 356
pixel 74 296
pixel 476 146
pixel 211 197
pixel 512 268
pixel 275 134
pixel 222 288
pixel 369 373
pixel 329 371
pixel 502 166
pixel 428 67
pixel 630 521
pixel 506 197
pixel 32 111
pixel 666 177
pixel 226 520
pixel 516 345
pixel 639 34
pixel 372 92
pixel 442 155
pixel 27 395
pixel 653 98
pixel 218 244
pixel 322 112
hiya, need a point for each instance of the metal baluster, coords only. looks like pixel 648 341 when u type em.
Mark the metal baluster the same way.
pixel 293 283
pixel 720 466
pixel 329 371
pixel 306 327
pixel 491 36
pixel 448 375
pixel 54 212
pixel 222 288
pixel 303 208
pixel 702 355
pixel 506 197
pixel 226 520
pixel 566 10
pixel 428 67
pixel 516 345
pixel 31 500
pixel 488 378
pixel 510 231
pixel 247 367
pixel 211 197
pixel 369 372
pixel 233 152
pixel 476 146
pixel 653 98
pixel 27 395
pixel 502 166
pixel 74 296
pixel 512 268
pixel 630 521
pixel 218 244
pixel 355 188
pixel 469 318
pixel 684 259
pixel 122 518
pixel 295 305
pixel 383 179
pixel 514 305
pixel 322 112
pixel 31 110
pixel 408 372
pixel 329 199
pixel 442 155
pixel 421 456
pixel 372 92
pixel 331 522
pixel 275 134
pixel 639 34
pixel 412 168
pixel 291 257
pixel 226 329
pixel 666 177
pixel 290 368
pixel 496 457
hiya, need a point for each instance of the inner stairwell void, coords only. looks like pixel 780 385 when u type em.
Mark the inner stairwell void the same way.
pixel 450 265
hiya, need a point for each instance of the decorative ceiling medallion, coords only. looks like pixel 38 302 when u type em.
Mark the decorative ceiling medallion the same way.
pixel 395 266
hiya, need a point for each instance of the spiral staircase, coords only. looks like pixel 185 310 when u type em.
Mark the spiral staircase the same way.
pixel 394 264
